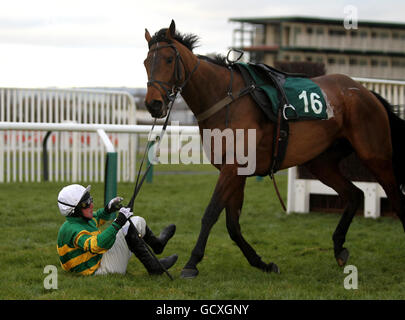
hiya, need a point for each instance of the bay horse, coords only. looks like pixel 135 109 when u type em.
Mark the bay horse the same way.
pixel 362 122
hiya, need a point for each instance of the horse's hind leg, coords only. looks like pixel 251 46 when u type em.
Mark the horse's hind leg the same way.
pixel 326 168
pixel 372 142
pixel 233 212
pixel 384 173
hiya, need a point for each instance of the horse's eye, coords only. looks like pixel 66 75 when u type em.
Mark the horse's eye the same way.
pixel 169 60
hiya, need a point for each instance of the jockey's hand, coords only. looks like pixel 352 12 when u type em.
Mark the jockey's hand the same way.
pixel 114 205
pixel 123 215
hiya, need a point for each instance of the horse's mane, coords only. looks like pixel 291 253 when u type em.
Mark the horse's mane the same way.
pixel 190 41
pixel 217 58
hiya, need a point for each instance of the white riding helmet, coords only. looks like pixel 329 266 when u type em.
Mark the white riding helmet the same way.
pixel 69 198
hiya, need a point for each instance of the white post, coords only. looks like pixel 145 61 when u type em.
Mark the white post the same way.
pixel 32 119
pixel 2 146
pixel 298 193
pixel 292 175
pixel 75 156
pixel 372 200
pixel 20 135
pixel 106 140
pixel 301 196
pixel 8 144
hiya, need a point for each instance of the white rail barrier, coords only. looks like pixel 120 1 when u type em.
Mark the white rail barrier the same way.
pixel 80 127
pixel 393 91
pixel 100 129
pixel 73 156
pixel 299 190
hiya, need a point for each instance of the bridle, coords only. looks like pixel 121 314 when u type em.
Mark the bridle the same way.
pixel 167 90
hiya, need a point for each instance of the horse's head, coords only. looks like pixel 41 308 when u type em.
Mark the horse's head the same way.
pixel 165 70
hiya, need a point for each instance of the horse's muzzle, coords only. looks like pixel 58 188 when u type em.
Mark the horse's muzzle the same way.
pixel 156 108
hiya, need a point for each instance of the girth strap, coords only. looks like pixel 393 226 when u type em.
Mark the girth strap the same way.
pixel 280 142
pixel 224 102
pixel 214 109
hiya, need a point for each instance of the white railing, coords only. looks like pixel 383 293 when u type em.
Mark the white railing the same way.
pixel 72 156
pixel 392 90
pixel 299 190
pixel 387 72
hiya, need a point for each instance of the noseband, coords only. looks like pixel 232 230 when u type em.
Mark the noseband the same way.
pixel 167 90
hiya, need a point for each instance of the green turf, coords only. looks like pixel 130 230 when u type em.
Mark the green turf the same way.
pixel 300 244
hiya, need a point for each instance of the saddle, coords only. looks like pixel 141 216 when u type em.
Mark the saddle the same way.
pixel 260 74
pixel 251 74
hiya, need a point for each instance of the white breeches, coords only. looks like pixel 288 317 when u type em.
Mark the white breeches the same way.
pixel 116 259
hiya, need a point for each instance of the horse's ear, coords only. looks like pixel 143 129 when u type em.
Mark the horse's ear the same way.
pixel 147 35
pixel 171 31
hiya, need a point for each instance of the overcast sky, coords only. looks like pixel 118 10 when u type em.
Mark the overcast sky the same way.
pixel 77 43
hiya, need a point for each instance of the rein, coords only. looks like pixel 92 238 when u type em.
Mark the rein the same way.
pixel 138 186
pixel 138 183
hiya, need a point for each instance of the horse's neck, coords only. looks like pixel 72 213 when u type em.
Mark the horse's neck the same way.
pixel 208 85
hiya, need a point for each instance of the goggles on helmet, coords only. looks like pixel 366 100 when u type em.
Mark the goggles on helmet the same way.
pixel 86 201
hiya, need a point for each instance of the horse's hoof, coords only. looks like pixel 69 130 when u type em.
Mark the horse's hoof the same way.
pixel 272 267
pixel 189 273
pixel 342 257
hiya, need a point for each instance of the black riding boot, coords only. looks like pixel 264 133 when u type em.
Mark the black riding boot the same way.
pixel 159 243
pixel 138 247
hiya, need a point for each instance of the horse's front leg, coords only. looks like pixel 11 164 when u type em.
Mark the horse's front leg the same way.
pixel 228 183
pixel 233 212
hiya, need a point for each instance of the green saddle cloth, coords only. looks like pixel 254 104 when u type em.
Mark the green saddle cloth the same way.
pixel 303 94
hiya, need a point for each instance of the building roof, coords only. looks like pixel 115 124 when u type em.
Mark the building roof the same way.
pixel 318 20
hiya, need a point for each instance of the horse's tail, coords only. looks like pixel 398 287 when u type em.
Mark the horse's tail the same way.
pixel 397 133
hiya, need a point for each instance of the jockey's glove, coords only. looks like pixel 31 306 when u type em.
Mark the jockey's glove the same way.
pixel 123 215
pixel 113 205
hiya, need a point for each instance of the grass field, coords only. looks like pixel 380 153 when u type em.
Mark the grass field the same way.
pixel 301 245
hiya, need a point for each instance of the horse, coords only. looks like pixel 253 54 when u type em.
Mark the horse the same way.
pixel 362 122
